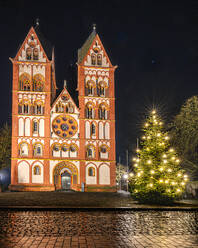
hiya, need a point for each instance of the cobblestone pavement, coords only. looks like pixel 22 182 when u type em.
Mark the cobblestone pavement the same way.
pixel 98 229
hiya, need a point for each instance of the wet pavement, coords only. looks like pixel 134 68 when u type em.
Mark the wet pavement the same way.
pixel 87 229
pixel 78 199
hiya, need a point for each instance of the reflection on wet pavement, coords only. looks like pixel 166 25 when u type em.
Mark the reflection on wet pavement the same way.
pixel 99 229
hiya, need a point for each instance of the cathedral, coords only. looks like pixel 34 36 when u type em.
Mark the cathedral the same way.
pixel 59 143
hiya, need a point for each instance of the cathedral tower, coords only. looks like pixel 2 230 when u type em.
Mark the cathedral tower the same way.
pixel 34 88
pixel 97 113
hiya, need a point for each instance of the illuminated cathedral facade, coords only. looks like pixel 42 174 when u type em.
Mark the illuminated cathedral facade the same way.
pixel 58 143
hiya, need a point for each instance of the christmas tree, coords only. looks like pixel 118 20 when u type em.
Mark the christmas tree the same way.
pixel 158 175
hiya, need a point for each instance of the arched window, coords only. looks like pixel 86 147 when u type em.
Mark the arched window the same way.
pixel 38 108
pixel 70 108
pixel 99 59
pixel 102 85
pixel 104 151
pixel 67 108
pixel 65 150
pixel 90 85
pixel 90 152
pixel 38 82
pixel 24 82
pixel 59 107
pixel 28 53
pixel 89 111
pixel 93 129
pixel 38 150
pixel 23 149
pixel 35 54
pixel 56 148
pixel 102 112
pixel 93 59
pixel 35 126
pixel 20 109
pixel 73 151
pixel 72 148
pixel 26 109
pixel 91 172
pixel 37 170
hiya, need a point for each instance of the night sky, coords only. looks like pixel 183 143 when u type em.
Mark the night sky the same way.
pixel 154 44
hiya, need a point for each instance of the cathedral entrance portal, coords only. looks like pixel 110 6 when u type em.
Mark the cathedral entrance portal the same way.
pixel 65 176
pixel 65 180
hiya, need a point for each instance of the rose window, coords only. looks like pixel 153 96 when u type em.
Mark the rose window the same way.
pixel 65 126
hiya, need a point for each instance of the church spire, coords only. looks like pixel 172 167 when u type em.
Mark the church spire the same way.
pixel 65 83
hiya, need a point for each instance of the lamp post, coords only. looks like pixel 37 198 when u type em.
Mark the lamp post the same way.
pixel 120 177
pixel 126 178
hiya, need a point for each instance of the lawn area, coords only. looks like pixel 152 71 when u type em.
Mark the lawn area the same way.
pixel 76 200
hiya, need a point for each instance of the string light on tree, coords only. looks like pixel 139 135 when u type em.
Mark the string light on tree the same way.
pixel 158 171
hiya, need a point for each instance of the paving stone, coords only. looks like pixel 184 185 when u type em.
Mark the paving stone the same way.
pixel 86 229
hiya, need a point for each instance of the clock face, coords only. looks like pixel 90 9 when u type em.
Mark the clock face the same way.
pixel 65 126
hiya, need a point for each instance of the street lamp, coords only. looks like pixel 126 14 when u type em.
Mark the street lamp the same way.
pixel 125 176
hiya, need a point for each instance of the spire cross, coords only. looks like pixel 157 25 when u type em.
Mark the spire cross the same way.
pixel 94 27
pixel 37 21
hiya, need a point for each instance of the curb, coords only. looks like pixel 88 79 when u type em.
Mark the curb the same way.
pixel 54 208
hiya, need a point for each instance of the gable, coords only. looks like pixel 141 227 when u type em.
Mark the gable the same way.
pixel 65 101
pixel 93 49
pixel 33 47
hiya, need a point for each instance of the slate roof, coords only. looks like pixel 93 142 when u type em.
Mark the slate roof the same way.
pixel 47 46
pixel 84 49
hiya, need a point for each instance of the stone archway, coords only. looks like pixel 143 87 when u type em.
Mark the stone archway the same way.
pixel 62 168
